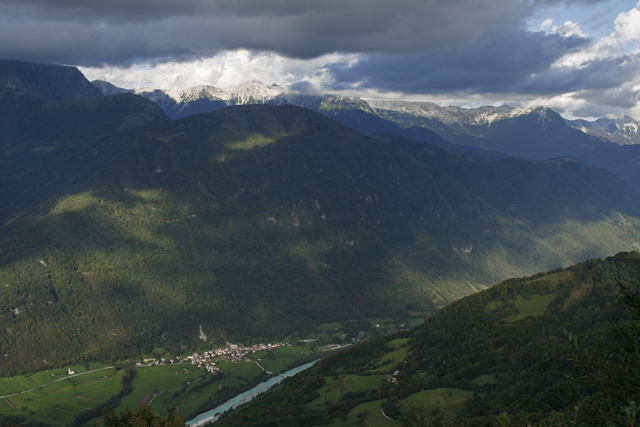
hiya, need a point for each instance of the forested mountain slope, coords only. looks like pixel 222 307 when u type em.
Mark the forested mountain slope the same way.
pixel 259 221
pixel 503 350
pixel 37 131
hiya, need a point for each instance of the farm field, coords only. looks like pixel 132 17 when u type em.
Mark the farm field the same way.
pixel 161 379
pixel 59 402
pixel 282 357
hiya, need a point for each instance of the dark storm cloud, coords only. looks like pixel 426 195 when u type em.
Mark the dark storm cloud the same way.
pixel 595 75
pixel 501 61
pixel 617 97
pixel 121 32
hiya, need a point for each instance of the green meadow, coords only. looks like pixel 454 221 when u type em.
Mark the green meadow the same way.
pixel 372 413
pixel 58 399
pixel 536 305
pixel 335 388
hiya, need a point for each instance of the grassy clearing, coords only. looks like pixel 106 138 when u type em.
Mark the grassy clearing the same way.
pixel 374 417
pixel 398 343
pixel 389 367
pixel 243 370
pixel 282 357
pixel 258 355
pixel 336 388
pixel 536 305
pixel 327 392
pixel 485 379
pixel 396 356
pixel 554 279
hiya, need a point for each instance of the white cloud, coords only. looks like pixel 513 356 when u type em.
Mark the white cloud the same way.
pixel 572 84
pixel 568 29
pixel 226 71
pixel 628 25
pixel 621 40
pixel 546 24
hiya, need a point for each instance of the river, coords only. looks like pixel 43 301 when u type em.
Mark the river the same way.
pixel 245 397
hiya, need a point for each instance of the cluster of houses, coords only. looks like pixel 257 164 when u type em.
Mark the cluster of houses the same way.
pixel 233 353
pixel 394 378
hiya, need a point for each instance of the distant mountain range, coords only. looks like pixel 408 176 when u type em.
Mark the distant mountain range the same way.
pixel 484 133
pixel 622 131
pixel 204 98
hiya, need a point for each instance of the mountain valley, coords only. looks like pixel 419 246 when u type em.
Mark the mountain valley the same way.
pixel 134 223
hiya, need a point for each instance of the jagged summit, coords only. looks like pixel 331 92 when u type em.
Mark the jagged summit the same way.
pixel 621 131
pixel 535 132
pixel 253 92
pixel 203 91
pixel 256 92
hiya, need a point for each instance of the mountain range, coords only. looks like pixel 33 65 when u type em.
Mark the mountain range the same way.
pixel 535 133
pixel 121 229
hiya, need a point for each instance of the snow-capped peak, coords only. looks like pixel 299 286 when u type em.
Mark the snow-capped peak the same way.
pixel 254 92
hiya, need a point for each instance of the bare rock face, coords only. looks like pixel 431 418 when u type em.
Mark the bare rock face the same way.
pixel 53 82
pixel 625 131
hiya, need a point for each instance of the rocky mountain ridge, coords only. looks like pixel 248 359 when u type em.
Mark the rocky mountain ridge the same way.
pixel 42 81
pixel 620 131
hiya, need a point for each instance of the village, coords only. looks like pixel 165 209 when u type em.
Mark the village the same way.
pixel 207 360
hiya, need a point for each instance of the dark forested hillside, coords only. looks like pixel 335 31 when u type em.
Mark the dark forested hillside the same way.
pixel 43 81
pixel 259 221
pixel 501 350
pixel 37 132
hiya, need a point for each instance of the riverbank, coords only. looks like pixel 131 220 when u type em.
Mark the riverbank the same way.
pixel 247 396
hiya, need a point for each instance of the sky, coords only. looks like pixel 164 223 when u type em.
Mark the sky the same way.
pixel 578 57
